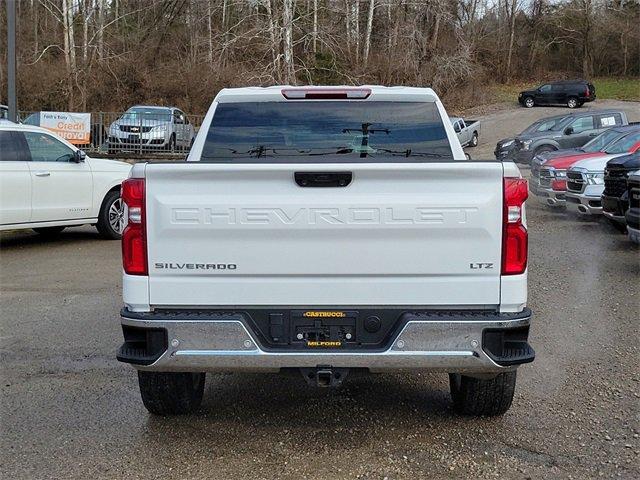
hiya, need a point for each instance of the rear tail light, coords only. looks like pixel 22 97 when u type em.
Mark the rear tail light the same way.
pixel 134 236
pixel 514 234
pixel 326 93
pixel 559 185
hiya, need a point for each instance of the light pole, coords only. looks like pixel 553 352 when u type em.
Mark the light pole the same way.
pixel 11 60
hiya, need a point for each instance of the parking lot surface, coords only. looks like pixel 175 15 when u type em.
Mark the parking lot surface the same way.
pixel 70 410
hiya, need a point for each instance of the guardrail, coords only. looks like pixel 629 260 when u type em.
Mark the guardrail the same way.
pixel 141 133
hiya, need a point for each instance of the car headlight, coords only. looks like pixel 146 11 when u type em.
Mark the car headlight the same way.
pixel 526 144
pixel 508 144
pixel 113 128
pixel 595 178
pixel 159 128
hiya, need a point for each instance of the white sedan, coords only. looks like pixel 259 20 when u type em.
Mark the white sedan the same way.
pixel 47 184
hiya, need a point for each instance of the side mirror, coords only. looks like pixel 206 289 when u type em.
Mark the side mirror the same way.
pixel 568 131
pixel 79 156
pixel 456 127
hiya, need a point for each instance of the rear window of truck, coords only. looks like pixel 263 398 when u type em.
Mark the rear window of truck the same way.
pixel 314 131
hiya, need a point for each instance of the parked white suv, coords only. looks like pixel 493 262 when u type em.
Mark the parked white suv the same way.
pixel 322 230
pixel 47 184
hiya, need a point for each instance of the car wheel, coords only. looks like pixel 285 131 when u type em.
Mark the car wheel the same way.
pixel 474 140
pixel 171 393
pixel 572 102
pixel 172 143
pixel 49 232
pixel 111 217
pixel 543 149
pixel 529 102
pixel 482 397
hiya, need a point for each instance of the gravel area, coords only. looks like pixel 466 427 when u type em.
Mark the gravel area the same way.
pixel 70 410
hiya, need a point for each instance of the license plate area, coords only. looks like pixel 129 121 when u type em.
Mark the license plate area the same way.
pixel 323 328
pixel 318 329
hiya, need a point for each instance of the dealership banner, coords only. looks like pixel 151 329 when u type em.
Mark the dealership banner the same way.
pixel 73 127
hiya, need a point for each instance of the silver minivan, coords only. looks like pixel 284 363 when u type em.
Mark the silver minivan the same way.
pixel 145 128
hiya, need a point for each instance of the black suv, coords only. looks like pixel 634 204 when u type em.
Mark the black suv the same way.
pixel 572 93
pixel 615 200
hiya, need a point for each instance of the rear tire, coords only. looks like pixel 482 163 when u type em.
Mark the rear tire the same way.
pixel 572 102
pixel 111 217
pixel 528 102
pixel 483 398
pixel 171 393
pixel 474 140
pixel 49 232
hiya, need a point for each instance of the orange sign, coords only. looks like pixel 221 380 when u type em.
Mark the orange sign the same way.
pixel 73 127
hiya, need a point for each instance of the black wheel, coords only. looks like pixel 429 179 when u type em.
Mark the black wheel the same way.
pixel 474 140
pixel 171 393
pixel 172 143
pixel 529 102
pixel 572 102
pixel 49 232
pixel 485 398
pixel 543 149
pixel 111 217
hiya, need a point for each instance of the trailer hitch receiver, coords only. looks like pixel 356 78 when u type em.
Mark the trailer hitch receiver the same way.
pixel 324 376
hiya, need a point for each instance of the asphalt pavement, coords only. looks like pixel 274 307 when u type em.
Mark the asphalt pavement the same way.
pixel 70 410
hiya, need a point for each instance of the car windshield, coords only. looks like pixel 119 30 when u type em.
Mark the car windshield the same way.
pixel 601 141
pixel 312 129
pixel 139 113
pixel 624 144
pixel 545 125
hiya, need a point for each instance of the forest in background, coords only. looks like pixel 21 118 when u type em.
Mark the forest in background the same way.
pixel 106 55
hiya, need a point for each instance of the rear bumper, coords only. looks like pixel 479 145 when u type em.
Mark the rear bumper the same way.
pixel 218 341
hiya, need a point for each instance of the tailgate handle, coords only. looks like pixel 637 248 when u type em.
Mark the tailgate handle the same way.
pixel 323 179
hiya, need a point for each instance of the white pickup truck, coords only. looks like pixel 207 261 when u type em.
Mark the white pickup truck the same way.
pixel 323 230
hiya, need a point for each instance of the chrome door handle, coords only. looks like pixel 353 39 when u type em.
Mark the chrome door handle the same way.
pixel 43 174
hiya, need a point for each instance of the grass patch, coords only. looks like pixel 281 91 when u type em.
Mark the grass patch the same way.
pixel 618 88
pixel 606 88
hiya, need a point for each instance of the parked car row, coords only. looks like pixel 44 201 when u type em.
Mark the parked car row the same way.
pixel 559 132
pixel 591 180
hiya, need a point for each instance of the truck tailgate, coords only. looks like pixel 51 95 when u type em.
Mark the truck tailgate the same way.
pixel 424 234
